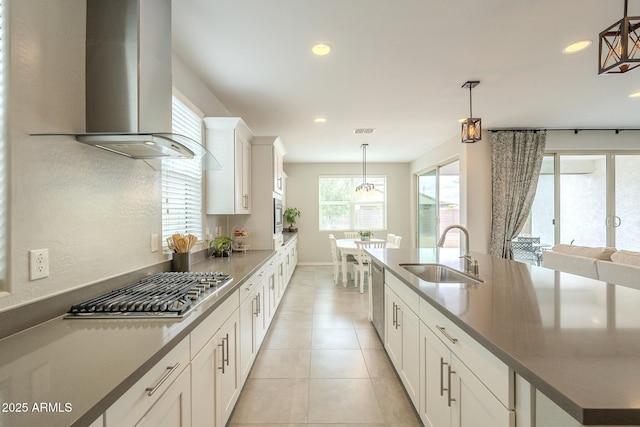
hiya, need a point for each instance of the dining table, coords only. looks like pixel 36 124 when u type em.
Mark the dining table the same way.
pixel 349 247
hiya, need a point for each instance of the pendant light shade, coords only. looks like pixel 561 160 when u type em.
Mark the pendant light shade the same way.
pixel 620 45
pixel 471 127
pixel 365 188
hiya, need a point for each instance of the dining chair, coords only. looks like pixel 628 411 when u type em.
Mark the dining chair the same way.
pixel 337 263
pixel 393 241
pixel 362 264
pixel 351 234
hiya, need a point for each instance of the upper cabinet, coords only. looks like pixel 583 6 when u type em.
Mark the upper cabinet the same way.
pixel 228 190
pixel 278 169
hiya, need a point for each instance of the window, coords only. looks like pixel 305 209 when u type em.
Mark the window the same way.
pixel 182 179
pixel 341 210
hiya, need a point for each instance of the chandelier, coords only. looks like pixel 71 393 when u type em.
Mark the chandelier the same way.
pixel 620 45
pixel 471 127
pixel 365 188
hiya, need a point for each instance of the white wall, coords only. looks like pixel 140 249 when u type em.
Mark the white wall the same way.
pixel 94 211
pixel 302 192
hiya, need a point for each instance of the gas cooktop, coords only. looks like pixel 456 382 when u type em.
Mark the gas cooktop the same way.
pixel 163 295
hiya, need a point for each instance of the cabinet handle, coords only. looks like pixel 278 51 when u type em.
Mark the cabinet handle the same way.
pixel 444 332
pixel 255 313
pixel 394 314
pixel 259 303
pixel 449 398
pixel 442 389
pixel 221 345
pixel 245 201
pixel 227 357
pixel 151 390
pixel 397 317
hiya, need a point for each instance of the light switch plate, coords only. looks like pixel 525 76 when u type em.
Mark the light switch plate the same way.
pixel 154 243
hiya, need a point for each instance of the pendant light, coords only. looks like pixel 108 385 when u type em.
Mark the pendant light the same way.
pixel 620 45
pixel 365 188
pixel 471 127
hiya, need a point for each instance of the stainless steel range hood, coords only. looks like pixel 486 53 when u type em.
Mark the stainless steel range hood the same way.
pixel 129 83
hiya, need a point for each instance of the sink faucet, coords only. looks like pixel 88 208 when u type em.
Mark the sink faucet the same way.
pixel 470 264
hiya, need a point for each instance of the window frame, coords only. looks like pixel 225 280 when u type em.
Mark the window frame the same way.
pixel 353 201
pixel 187 172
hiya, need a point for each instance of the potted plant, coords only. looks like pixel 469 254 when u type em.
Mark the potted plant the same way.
pixel 290 215
pixel 365 234
pixel 221 246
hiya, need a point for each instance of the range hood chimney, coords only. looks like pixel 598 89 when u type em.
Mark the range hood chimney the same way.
pixel 129 83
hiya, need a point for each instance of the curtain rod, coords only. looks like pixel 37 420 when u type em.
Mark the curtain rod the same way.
pixel 574 130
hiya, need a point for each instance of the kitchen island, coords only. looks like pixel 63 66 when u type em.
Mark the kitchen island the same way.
pixel 67 372
pixel 575 341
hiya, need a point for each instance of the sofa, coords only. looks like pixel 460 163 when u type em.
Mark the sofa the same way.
pixel 610 265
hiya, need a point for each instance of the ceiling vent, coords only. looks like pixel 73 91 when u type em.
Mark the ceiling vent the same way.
pixel 363 130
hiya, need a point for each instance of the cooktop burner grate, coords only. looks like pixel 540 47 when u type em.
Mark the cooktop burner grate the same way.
pixel 163 295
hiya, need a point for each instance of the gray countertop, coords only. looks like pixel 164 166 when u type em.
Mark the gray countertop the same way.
pixel 87 364
pixel 575 339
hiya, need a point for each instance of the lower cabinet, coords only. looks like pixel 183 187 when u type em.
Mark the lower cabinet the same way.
pixel 172 408
pixel 402 329
pixel 450 394
pixel 160 398
pixel 254 320
pixel 215 376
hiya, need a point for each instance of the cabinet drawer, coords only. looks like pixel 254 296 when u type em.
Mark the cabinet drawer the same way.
pixel 490 370
pixel 132 406
pixel 250 284
pixel 209 326
pixel 410 298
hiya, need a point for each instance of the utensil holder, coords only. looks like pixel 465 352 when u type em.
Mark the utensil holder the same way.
pixel 181 262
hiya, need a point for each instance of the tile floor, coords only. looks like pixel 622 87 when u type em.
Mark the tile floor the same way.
pixel 322 363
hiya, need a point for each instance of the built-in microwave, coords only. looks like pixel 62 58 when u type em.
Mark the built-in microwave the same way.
pixel 278 215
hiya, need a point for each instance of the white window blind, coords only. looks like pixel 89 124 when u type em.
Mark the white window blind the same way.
pixel 182 180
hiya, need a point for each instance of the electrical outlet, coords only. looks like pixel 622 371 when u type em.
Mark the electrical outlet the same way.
pixel 154 243
pixel 38 264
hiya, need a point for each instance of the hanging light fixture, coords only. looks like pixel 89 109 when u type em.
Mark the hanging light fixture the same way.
pixel 620 45
pixel 471 127
pixel 365 188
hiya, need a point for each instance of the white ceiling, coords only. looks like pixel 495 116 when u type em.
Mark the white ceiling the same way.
pixel 398 66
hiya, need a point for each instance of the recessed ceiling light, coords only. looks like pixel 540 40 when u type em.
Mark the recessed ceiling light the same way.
pixel 576 47
pixel 635 95
pixel 321 49
pixel 320 120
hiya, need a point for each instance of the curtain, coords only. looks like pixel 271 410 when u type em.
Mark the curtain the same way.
pixel 516 159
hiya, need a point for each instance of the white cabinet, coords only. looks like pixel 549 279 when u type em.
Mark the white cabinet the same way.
pixel 253 320
pixel 228 190
pixel 278 168
pixel 215 382
pixel 402 332
pixel 450 394
pixel 163 393
pixel 266 174
pixel 461 383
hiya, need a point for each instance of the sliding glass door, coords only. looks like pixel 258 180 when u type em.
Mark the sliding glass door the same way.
pixel 589 200
pixel 439 205
pixel 624 221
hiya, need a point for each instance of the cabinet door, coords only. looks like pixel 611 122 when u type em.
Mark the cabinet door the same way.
pixel 278 184
pixel 204 369
pixel 393 328
pixel 248 340
pixel 173 408
pixel 434 362
pixel 410 325
pixel 474 404
pixel 262 318
pixel 228 379
pixel 242 175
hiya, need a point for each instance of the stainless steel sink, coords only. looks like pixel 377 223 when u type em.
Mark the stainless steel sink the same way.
pixel 438 273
